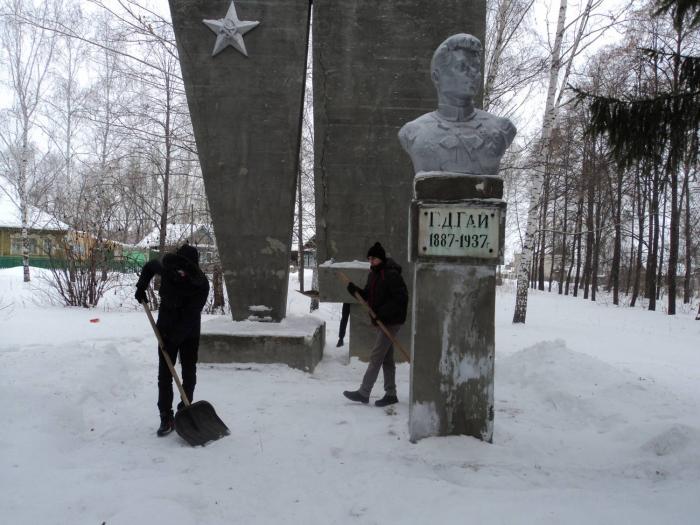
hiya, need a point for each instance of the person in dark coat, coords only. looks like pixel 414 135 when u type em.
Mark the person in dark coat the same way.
pixel 387 296
pixel 183 293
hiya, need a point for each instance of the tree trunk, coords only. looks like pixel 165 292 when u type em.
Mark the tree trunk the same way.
pixel 617 243
pixel 218 289
pixel 673 244
pixel 565 225
pixel 300 230
pixel 630 263
pixel 688 240
pixel 673 169
pixel 314 286
pixel 660 269
pixel 543 230
pixel 166 174
pixel 23 200
pixel 595 266
pixel 550 113
pixel 653 249
pixel 554 238
pixel 574 237
pixel 589 170
pixel 641 207
pixel 577 279
pixel 535 266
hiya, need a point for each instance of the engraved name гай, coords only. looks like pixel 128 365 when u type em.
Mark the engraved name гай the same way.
pixel 459 231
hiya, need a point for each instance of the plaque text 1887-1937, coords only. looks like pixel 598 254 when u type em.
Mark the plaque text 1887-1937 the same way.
pixel 458 231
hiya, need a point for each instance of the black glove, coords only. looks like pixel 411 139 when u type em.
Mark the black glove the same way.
pixel 352 289
pixel 140 295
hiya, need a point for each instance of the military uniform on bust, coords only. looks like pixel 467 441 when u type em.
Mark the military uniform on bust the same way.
pixel 438 141
pixel 457 137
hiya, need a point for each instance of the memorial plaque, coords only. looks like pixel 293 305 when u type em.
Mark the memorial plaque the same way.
pixel 459 231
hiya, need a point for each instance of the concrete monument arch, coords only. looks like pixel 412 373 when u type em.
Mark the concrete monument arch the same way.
pixel 243 65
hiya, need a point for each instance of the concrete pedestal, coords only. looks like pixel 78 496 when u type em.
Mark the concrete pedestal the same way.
pixel 454 284
pixel 296 341
pixel 453 351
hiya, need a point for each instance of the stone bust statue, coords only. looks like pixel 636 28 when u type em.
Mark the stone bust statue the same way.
pixel 457 137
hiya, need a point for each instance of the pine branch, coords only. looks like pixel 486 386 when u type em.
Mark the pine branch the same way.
pixel 679 9
pixel 658 130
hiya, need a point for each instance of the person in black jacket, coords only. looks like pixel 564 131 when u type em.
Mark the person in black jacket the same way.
pixel 183 293
pixel 387 295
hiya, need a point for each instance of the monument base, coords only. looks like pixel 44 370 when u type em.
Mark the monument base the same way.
pixel 453 351
pixel 455 251
pixel 296 341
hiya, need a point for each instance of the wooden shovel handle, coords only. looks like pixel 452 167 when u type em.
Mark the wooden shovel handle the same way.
pixel 371 313
pixel 168 361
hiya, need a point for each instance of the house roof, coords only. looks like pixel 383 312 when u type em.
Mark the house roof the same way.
pixel 10 216
pixel 177 233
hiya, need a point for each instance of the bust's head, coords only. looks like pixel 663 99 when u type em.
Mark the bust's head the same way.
pixel 456 69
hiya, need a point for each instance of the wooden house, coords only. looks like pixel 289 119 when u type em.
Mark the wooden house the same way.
pixel 46 233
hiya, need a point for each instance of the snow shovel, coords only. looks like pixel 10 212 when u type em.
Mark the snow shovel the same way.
pixel 196 423
pixel 371 313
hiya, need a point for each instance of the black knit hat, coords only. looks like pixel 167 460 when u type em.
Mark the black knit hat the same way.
pixel 377 251
pixel 189 252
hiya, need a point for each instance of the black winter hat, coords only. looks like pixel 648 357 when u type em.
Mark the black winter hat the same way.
pixel 377 250
pixel 189 252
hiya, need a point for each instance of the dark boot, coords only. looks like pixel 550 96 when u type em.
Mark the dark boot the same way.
pixel 354 395
pixel 167 423
pixel 386 400
pixel 340 343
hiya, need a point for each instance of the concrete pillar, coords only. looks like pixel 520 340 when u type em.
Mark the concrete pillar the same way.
pixel 246 115
pixel 371 75
pixel 454 285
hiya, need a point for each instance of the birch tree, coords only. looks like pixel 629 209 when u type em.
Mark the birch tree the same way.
pixel 550 114
pixel 28 53
pixel 66 105
pixel 562 59
pixel 512 62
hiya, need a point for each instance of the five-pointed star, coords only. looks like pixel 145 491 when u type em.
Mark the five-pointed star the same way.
pixel 229 31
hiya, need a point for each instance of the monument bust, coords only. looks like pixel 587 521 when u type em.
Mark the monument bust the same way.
pixel 457 137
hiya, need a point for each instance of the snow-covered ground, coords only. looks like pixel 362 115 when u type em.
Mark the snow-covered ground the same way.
pixel 597 422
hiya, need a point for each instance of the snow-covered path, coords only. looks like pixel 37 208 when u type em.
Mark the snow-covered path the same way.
pixel 597 422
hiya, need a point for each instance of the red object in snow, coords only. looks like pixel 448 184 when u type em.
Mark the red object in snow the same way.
pixel 95 320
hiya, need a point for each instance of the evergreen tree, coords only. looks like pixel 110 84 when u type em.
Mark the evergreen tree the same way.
pixel 661 130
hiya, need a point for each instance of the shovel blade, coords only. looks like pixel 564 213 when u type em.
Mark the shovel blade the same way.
pixel 198 424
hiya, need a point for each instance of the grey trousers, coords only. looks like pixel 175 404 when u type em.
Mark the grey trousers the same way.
pixel 381 356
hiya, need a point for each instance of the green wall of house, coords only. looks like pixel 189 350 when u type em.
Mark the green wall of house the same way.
pixel 128 260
